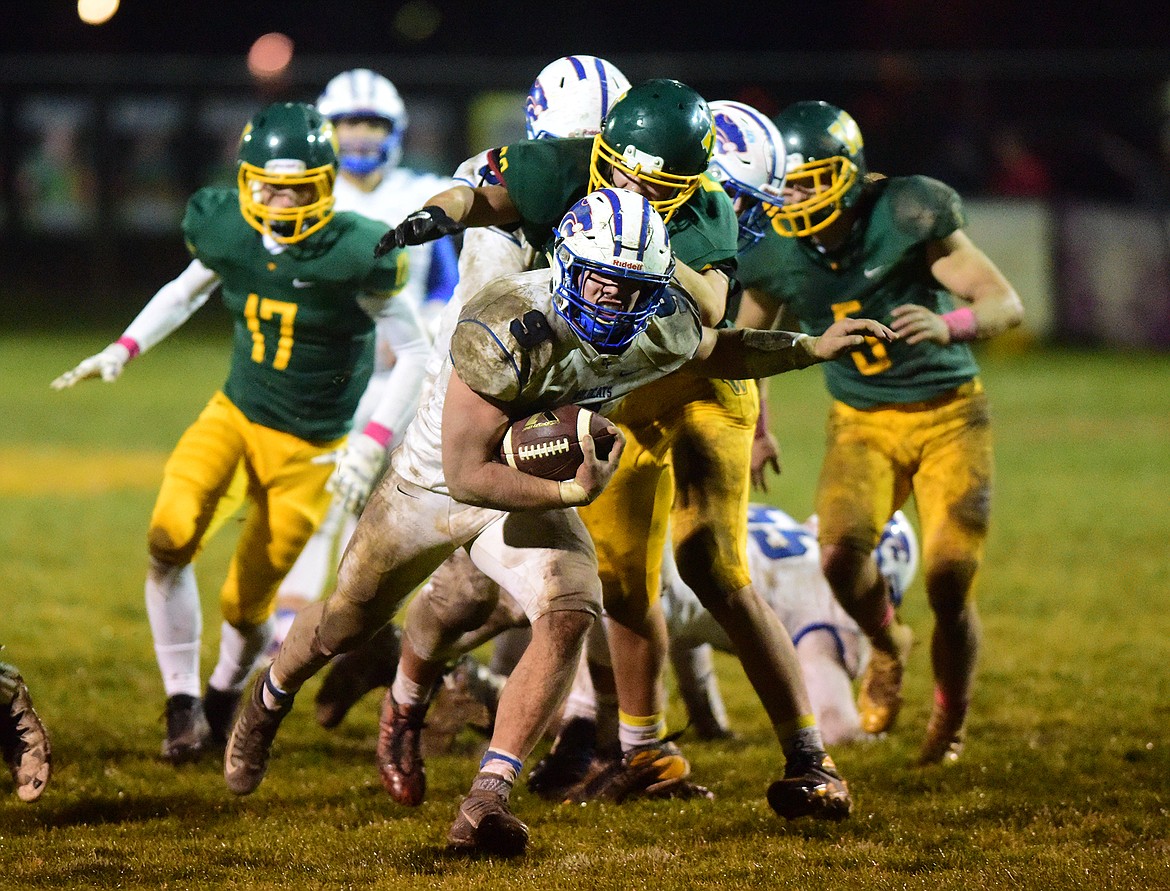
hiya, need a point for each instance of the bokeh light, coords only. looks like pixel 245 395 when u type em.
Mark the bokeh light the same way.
pixel 96 12
pixel 417 20
pixel 270 56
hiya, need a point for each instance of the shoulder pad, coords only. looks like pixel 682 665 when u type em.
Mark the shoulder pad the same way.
pixel 203 208
pixel 476 171
pixel 924 208
pixel 500 334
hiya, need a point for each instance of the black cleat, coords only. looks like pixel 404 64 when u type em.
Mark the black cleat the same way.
pixel 188 733
pixel 811 789
pixel 219 707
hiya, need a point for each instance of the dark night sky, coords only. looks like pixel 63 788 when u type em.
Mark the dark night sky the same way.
pixel 213 28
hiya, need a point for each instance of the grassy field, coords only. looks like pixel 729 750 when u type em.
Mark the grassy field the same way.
pixel 1065 782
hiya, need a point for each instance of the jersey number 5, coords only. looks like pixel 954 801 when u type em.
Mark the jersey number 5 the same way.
pixel 878 359
pixel 258 308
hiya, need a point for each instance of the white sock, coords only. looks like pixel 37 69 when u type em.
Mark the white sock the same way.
pixel 176 624
pixel 239 653
pixel 407 692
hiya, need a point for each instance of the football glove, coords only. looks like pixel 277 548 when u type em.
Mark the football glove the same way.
pixel 107 364
pixel 359 465
pixel 422 226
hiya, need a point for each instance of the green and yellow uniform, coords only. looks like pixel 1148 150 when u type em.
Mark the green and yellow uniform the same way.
pixel 682 431
pixel 302 353
pixel 905 417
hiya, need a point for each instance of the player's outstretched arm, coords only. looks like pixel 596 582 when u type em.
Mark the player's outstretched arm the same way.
pixel 742 353
pixel 451 211
pixel 167 310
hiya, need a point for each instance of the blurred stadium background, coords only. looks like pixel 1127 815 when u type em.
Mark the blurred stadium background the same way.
pixel 1054 125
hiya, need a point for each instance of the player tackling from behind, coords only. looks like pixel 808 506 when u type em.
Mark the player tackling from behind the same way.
pixel 607 319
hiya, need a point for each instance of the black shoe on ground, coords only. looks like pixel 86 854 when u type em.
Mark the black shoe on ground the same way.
pixel 188 733
pixel 219 707
pixel 811 789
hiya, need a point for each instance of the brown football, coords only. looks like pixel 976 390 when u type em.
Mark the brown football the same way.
pixel 548 444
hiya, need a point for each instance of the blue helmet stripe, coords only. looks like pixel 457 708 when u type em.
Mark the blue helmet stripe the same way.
pixel 604 81
pixel 616 204
pixel 577 67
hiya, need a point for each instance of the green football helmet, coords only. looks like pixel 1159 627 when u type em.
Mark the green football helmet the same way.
pixel 288 144
pixel 825 164
pixel 660 132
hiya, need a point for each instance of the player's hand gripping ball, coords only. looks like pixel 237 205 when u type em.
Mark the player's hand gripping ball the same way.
pixel 548 443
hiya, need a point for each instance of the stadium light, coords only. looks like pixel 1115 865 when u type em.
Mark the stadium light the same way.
pixel 96 12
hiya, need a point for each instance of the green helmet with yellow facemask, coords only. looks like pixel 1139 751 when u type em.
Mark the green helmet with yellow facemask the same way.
pixel 825 162
pixel 661 132
pixel 287 145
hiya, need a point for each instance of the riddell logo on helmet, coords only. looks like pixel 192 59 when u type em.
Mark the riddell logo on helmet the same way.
pixel 626 264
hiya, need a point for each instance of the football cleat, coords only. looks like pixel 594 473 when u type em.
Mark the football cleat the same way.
pixel 24 741
pixel 250 745
pixel 811 789
pixel 354 674
pixel 880 698
pixel 945 735
pixel 188 733
pixel 399 757
pixel 219 707
pixel 567 762
pixel 467 696
pixel 485 825
pixel 655 770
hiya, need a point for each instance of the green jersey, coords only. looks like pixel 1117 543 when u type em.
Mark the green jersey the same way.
pixel 545 177
pixel 302 346
pixel 882 265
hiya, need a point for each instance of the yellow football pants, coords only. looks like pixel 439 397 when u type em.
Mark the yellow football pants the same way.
pixel 686 469
pixel 221 460
pixel 939 450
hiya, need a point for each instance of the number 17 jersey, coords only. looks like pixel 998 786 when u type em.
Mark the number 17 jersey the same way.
pixel 302 345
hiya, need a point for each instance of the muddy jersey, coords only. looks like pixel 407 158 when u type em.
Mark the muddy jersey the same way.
pixel 509 345
pixel 302 346
pixel 545 177
pixel 883 265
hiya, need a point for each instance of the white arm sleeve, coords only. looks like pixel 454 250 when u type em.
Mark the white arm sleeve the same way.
pixel 401 328
pixel 172 305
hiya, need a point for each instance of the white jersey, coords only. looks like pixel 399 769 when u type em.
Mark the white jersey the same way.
pixel 509 344
pixel 784 561
pixel 400 192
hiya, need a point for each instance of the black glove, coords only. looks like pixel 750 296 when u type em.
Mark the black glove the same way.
pixel 420 227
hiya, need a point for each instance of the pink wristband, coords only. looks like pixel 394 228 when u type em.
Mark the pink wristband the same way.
pixel 962 325
pixel 379 433
pixel 131 345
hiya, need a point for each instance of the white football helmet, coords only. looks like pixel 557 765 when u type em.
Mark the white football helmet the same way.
pixel 749 163
pixel 571 95
pixel 897 555
pixel 617 233
pixel 362 93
